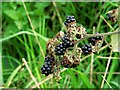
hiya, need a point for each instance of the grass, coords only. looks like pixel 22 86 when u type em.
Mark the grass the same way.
pixel 26 28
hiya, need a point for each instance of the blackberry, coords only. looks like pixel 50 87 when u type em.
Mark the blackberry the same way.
pixel 60 49
pixel 48 68
pixel 69 19
pixel 78 36
pixel 65 62
pixel 66 41
pixel 86 49
pixel 94 39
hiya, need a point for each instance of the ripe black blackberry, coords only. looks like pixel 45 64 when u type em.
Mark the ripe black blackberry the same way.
pixel 48 68
pixel 66 41
pixel 94 39
pixel 86 49
pixel 60 49
pixel 69 19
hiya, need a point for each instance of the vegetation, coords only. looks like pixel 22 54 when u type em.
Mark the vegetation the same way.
pixel 26 28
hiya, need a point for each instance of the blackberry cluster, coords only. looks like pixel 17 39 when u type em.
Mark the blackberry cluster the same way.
pixel 48 68
pixel 66 41
pixel 94 39
pixel 87 49
pixel 69 19
pixel 60 49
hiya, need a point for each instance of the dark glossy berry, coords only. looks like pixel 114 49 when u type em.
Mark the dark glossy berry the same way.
pixel 65 23
pixel 78 36
pixel 69 19
pixel 60 49
pixel 93 40
pixel 48 68
pixel 66 41
pixel 87 49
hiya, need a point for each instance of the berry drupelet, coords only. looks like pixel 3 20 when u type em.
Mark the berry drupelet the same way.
pixel 48 68
pixel 66 41
pixel 69 19
pixel 60 49
pixel 94 39
pixel 87 49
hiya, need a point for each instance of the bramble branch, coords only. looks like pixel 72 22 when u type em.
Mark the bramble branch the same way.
pixel 102 34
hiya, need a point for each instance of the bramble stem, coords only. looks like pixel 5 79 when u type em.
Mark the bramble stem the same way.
pixel 91 35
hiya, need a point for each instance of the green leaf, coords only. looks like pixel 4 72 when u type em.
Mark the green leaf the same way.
pixel 10 29
pixel 115 83
pixel 41 5
pixel 40 8
pixel 13 5
pixel 12 14
pixel 19 24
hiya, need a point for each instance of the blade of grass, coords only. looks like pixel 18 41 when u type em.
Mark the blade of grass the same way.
pixel 112 69
pixel 33 56
pixel 73 78
pixel 33 28
pixel 58 14
pixel 107 22
pixel 47 78
pixel 11 77
pixel 84 78
pixel 107 82
pixel 32 76
pixel 29 84
pixel 12 58
pixel 23 32
pixel 27 51
pixel 108 63
pixel 1 72
pixel 91 68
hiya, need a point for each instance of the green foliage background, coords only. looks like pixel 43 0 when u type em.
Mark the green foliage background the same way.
pixel 18 41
